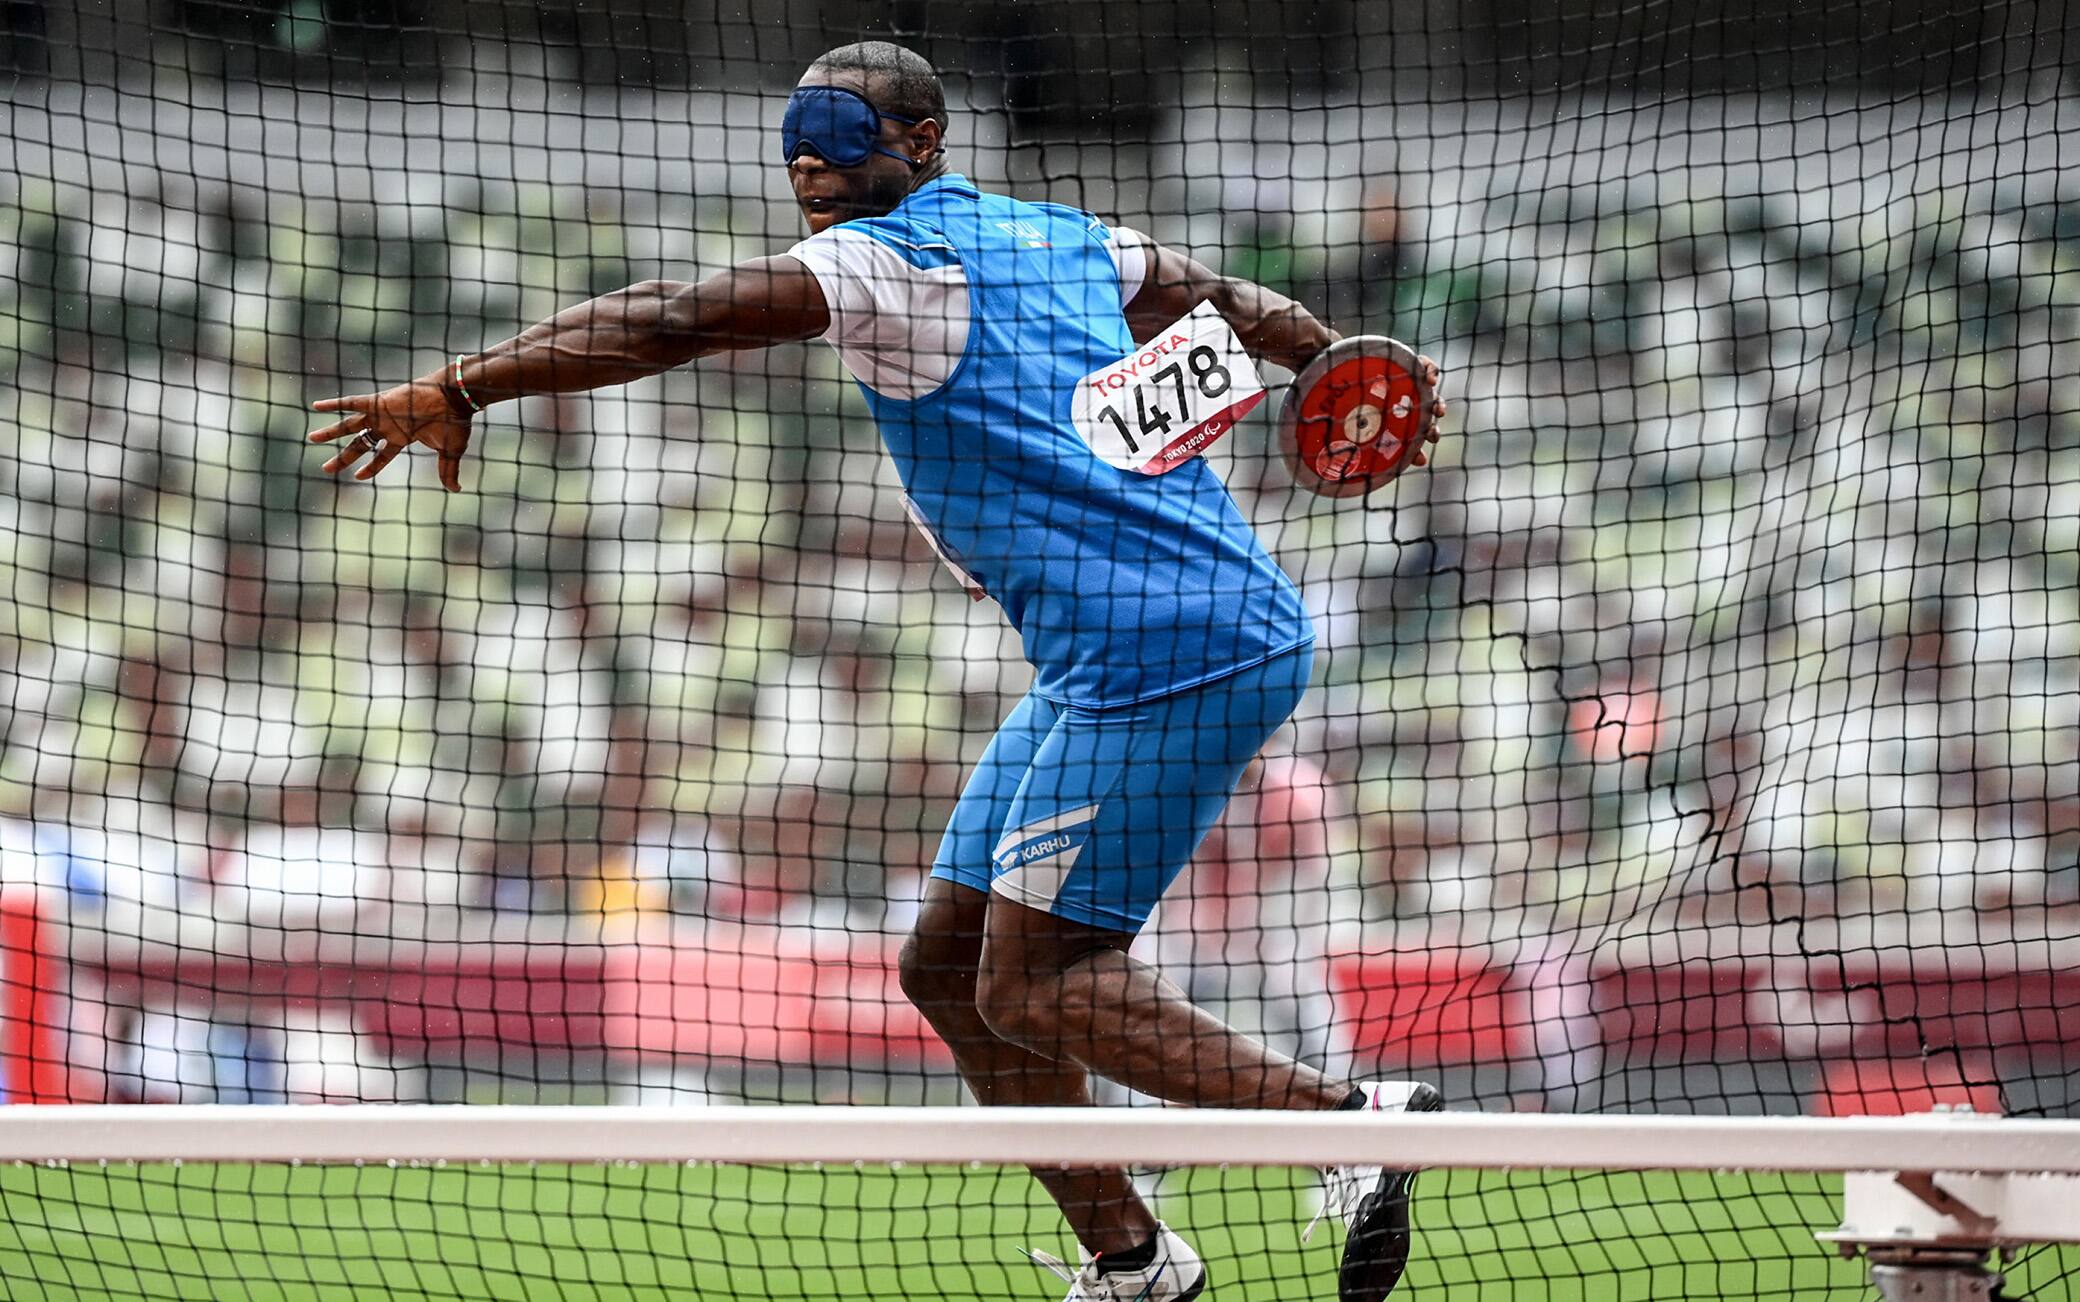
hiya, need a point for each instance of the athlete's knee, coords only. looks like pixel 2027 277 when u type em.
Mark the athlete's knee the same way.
pixel 937 964
pixel 1044 994
pixel 937 971
pixel 1043 1005
pixel 1014 1007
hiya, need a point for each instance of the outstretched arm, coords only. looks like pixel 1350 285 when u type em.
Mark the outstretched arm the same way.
pixel 626 335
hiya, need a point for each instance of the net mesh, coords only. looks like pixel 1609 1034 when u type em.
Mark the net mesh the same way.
pixel 664 1231
pixel 1701 732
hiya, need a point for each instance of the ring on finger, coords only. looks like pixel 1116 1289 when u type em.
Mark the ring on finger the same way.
pixel 363 442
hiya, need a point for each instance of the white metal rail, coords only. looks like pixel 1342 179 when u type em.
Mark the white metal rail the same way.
pixel 429 1133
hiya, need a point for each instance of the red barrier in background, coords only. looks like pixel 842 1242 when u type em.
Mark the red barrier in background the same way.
pixel 1890 1033
pixel 1897 1005
pixel 34 1008
pixel 1897 1087
pixel 758 994
pixel 1416 1007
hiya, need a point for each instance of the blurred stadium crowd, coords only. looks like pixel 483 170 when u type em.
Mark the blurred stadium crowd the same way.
pixel 1744 591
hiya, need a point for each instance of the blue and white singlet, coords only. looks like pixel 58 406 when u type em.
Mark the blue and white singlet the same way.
pixel 968 320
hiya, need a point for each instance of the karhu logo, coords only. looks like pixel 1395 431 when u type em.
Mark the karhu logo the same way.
pixel 1041 849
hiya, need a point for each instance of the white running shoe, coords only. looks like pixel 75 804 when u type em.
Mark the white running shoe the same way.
pixel 1176 1274
pixel 1372 1202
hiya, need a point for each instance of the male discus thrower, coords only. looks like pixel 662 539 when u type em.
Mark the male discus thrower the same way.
pixel 1357 416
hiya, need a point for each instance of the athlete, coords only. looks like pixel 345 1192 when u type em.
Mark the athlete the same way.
pixel 1167 644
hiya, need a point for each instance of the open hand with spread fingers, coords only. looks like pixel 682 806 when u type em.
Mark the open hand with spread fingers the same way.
pixel 386 423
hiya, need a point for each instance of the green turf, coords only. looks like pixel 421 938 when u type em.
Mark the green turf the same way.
pixel 666 1232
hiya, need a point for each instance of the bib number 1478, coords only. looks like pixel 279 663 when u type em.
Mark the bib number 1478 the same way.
pixel 1171 399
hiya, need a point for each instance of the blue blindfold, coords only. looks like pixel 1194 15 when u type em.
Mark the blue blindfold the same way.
pixel 837 125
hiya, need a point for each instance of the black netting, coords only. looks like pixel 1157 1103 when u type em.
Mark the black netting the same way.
pixel 1700 732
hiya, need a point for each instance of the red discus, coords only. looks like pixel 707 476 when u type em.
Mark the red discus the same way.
pixel 1355 416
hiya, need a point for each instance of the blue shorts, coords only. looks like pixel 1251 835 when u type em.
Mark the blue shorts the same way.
pixel 1091 814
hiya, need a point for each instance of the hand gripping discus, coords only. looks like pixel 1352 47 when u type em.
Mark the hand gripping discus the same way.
pixel 1355 416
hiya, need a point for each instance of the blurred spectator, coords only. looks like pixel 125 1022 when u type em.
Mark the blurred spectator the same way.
pixel 676 865
pixel 1622 721
pixel 1374 270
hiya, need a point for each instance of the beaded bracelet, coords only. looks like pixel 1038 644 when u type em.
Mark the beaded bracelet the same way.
pixel 463 389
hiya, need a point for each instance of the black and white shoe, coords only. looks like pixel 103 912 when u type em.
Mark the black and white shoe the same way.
pixel 1175 1274
pixel 1372 1201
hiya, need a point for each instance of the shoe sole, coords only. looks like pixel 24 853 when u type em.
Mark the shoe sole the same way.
pixel 1375 1253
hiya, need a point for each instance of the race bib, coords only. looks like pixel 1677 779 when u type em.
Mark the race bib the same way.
pixel 1169 400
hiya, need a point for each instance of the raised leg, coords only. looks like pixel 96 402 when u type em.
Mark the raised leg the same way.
pixel 1068 992
pixel 940 963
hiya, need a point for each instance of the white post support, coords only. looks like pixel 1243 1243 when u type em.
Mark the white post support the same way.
pixel 1928 1234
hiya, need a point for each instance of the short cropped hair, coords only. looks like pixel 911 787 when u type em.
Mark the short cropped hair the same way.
pixel 903 81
